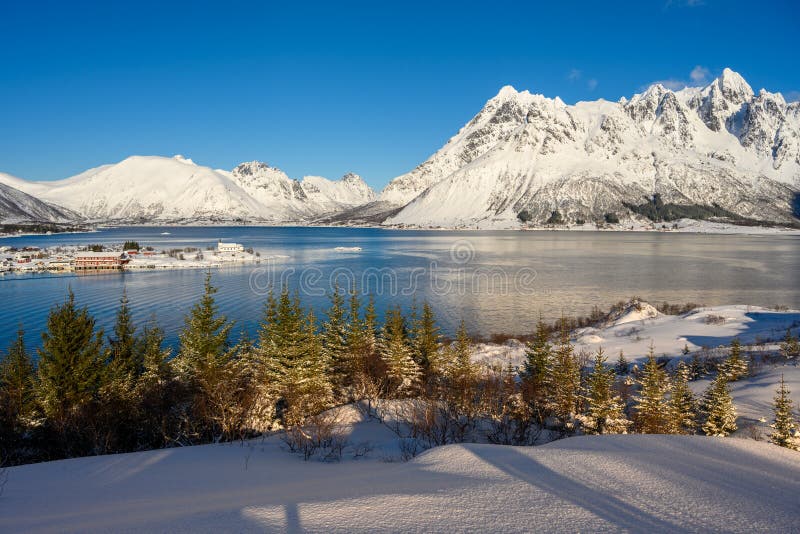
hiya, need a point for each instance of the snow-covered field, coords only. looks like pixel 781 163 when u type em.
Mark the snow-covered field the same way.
pixel 635 329
pixel 639 483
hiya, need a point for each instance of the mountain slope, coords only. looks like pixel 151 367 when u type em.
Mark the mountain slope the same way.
pixel 19 207
pixel 159 189
pixel 721 144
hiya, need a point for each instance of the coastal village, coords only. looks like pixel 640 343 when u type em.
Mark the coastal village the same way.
pixel 129 256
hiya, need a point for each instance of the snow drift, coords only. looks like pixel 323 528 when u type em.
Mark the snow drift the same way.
pixel 601 483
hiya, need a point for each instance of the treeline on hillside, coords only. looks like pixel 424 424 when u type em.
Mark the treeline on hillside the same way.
pixel 90 393
pixel 40 228
pixel 656 210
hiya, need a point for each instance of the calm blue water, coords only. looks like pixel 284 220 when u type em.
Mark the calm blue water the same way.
pixel 495 281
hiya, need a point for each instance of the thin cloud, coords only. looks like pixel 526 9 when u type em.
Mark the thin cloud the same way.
pixel 683 3
pixel 792 96
pixel 592 84
pixel 671 84
pixel 699 74
pixel 574 75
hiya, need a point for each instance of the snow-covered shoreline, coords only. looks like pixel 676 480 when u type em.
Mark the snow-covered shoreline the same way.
pixel 686 226
pixel 701 331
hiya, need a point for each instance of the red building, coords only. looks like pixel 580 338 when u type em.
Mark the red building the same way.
pixel 100 261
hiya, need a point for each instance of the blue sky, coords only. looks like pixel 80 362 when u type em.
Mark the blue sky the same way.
pixel 323 89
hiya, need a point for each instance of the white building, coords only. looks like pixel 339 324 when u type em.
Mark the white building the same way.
pixel 230 248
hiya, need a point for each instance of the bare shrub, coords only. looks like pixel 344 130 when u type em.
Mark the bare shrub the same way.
pixel 319 434
pixel 714 319
pixel 362 449
pixel 409 448
pixel 754 431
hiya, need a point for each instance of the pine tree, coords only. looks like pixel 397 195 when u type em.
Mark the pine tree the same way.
pixel 696 368
pixel 202 359
pixel 361 340
pixel 682 401
pixel 720 413
pixel 125 362
pixel 605 411
pixel 296 367
pixel 563 381
pixel 734 367
pixel 70 364
pixel 426 340
pixel 334 339
pixel 402 371
pixel 16 386
pixel 461 372
pixel 653 415
pixel 204 339
pixel 156 368
pixel 538 356
pixel 305 385
pixel 790 348
pixel 281 337
pixel 784 428
pixel 622 364
pixel 156 389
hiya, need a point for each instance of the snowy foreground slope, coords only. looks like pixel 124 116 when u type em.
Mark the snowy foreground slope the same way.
pixel 720 144
pixel 640 483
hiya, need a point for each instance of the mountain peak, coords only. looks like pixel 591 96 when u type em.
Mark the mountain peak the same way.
pixel 352 177
pixel 507 91
pixel 178 157
pixel 733 86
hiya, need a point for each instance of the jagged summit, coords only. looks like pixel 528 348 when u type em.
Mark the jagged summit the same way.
pixel 719 144
pixel 733 86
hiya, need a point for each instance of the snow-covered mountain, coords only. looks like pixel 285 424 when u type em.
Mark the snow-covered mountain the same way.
pixel 19 207
pixel 159 189
pixel 294 200
pixel 720 144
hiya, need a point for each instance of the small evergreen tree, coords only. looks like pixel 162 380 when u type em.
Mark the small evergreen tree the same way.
pixel 604 412
pixel 70 367
pixel 538 355
pixel 622 364
pixel 720 413
pixel 361 343
pixel 334 340
pixel 204 339
pixel 682 401
pixel 17 400
pixel 306 385
pixel 157 390
pixel 297 367
pixel 124 362
pixel 202 361
pixel 402 371
pixel 426 340
pixel 461 372
pixel 653 415
pixel 790 348
pixel 734 367
pixel 563 381
pixel 784 428
pixel 697 367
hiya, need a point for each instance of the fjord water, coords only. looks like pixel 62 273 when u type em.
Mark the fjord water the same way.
pixel 497 282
